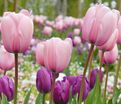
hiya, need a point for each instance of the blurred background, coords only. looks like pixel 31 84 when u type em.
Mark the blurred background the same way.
pixel 52 8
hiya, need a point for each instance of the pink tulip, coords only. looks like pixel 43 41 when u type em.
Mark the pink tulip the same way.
pixel 17 31
pixel 110 56
pixel 57 54
pixel 6 59
pixel 39 52
pixel 99 25
pixel 77 40
pixel 119 29
pixel 59 25
pixel 76 31
pixel 47 31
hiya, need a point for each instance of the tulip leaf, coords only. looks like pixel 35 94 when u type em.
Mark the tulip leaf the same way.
pixel 4 100
pixel 26 100
pixel 95 94
pixel 38 99
pixel 115 96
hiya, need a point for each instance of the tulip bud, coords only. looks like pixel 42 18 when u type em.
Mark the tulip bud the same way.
pixel 76 41
pixel 109 57
pixel 93 77
pixel 71 79
pixel 61 92
pixel 6 59
pixel 77 85
pixel 47 31
pixel 17 31
pixel 43 80
pixel 76 31
pixel 7 87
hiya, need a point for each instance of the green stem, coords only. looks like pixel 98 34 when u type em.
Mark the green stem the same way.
pixel 14 5
pixel 55 75
pixel 90 63
pixel 5 72
pixel 16 78
pixel 43 98
pixel 84 73
pixel 101 60
pixel 117 74
pixel 106 84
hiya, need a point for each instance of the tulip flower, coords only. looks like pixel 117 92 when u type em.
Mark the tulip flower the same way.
pixel 47 31
pixel 93 77
pixel 39 51
pixel 61 92
pixel 76 31
pixel 96 26
pixel 110 57
pixel 76 41
pixel 77 85
pixel 6 59
pixel 71 79
pixel 43 80
pixel 59 25
pixel 17 31
pixel 57 54
pixel 7 87
pixel 119 29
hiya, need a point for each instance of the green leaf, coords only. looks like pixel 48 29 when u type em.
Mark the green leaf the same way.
pixel 4 100
pixel 110 101
pixel 38 99
pixel 26 100
pixel 116 95
pixel 95 96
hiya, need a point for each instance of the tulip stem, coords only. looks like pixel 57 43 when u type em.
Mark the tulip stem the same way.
pixel 14 5
pixel 90 63
pixel 4 72
pixel 101 60
pixel 16 78
pixel 55 75
pixel 43 98
pixel 106 84
pixel 84 73
pixel 117 74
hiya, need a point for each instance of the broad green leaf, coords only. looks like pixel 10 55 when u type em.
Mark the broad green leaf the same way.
pixel 95 96
pixel 26 100
pixel 4 100
pixel 38 99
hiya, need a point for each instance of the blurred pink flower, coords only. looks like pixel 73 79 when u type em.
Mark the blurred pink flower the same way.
pixel 6 59
pixel 39 52
pixel 47 31
pixel 76 31
pixel 110 56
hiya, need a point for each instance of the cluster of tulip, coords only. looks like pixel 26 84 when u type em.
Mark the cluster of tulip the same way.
pixel 100 27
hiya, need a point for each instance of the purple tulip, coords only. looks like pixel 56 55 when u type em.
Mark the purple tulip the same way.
pixel 77 85
pixel 7 87
pixel 71 79
pixel 61 92
pixel 43 80
pixel 93 76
